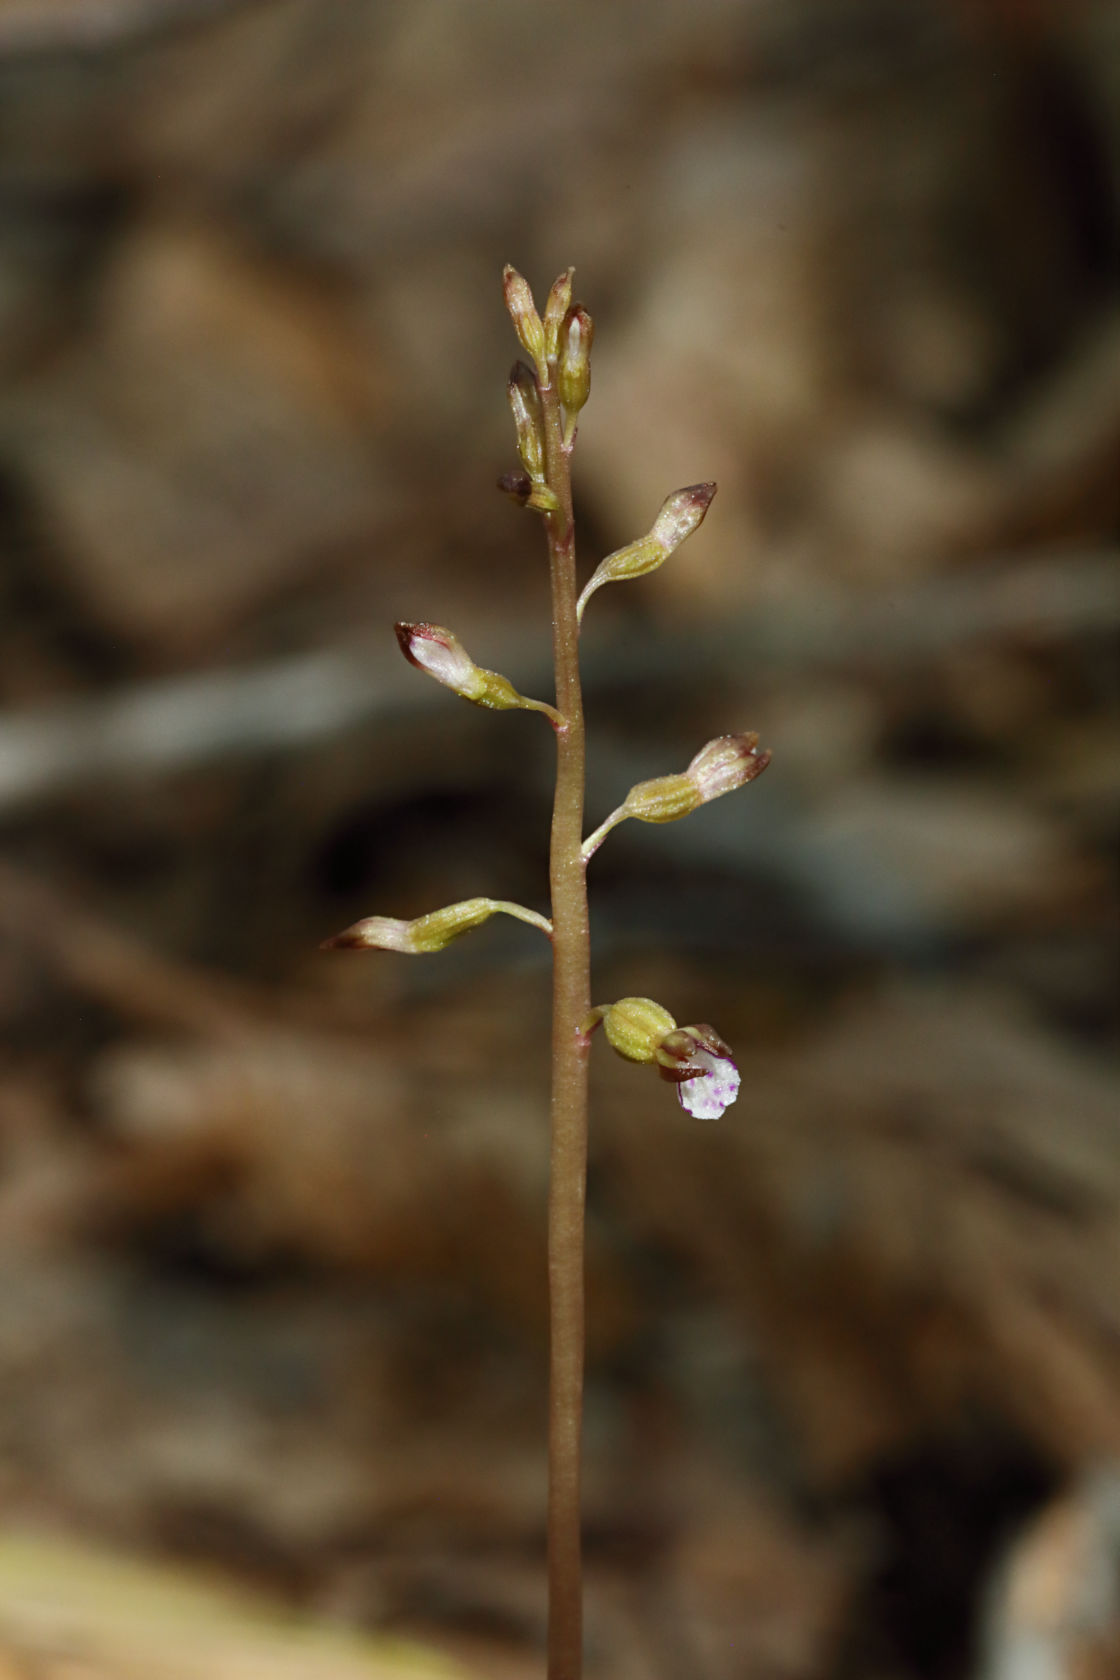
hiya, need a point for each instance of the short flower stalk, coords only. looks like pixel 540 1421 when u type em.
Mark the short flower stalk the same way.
pixel 546 394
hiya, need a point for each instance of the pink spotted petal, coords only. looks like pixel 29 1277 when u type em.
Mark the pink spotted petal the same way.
pixel 709 1092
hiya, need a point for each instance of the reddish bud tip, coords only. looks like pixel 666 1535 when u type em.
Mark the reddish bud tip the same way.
pixel 345 941
pixel 407 634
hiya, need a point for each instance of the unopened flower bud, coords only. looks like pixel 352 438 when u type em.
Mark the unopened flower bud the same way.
pixel 427 934
pixel 528 493
pixel 635 1027
pixel 523 313
pixel 559 302
pixel 727 763
pixel 442 655
pixel 680 514
pixel 702 1067
pixel 518 486
pixel 438 651
pixel 525 404
pixel 573 369
pixel 419 937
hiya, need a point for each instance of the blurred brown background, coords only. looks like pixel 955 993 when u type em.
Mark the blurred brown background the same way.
pixel 271 1221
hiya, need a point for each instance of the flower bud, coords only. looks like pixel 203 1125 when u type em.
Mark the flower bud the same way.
pixel 559 302
pixel 727 763
pixel 518 486
pixel 416 938
pixel 526 492
pixel 635 1027
pixel 525 403
pixel 573 370
pixel 680 514
pixel 427 934
pixel 702 1067
pixel 523 313
pixel 442 655
pixel 438 651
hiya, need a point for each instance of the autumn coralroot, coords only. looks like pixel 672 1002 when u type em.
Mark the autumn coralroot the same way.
pixel 546 392
pixel 695 1059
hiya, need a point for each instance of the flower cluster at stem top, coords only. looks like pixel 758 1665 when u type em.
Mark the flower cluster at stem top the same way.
pixel 558 346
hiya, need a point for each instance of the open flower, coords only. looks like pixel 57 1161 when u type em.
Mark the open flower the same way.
pixel 702 1067
pixel 694 1059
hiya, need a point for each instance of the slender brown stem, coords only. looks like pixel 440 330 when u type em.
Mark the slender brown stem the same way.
pixel 571 1002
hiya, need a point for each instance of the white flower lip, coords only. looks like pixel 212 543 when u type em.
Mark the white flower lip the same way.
pixel 707 1093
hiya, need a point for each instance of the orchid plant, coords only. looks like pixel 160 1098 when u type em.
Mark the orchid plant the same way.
pixel 546 394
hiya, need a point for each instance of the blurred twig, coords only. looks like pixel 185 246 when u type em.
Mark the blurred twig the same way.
pixel 53 25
